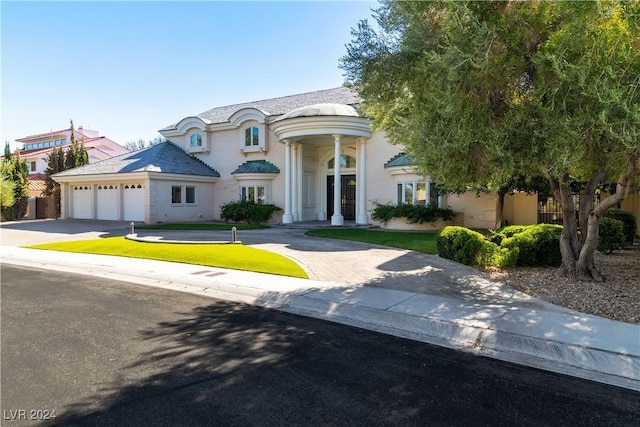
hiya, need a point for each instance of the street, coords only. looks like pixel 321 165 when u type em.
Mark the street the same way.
pixel 91 351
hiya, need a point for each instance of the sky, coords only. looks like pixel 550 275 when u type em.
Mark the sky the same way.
pixel 128 69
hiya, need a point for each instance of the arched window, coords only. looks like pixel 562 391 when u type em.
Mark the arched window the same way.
pixel 346 162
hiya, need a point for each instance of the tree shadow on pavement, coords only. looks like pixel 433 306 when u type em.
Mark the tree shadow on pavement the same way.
pixel 230 364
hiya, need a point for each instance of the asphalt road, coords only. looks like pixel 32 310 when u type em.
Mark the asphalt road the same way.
pixel 100 352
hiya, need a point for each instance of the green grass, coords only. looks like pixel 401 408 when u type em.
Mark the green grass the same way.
pixel 416 241
pixel 233 256
pixel 200 226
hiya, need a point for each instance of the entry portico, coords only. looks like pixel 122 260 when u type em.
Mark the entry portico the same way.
pixel 322 125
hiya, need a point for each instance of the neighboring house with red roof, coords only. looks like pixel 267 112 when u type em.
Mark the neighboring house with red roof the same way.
pixel 36 148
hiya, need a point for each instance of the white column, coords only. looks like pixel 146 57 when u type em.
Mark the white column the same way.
pixel 287 218
pixel 300 179
pixel 337 218
pixel 361 182
pixel 295 165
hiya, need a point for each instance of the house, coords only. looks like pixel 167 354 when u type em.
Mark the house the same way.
pixel 287 151
pixel 36 148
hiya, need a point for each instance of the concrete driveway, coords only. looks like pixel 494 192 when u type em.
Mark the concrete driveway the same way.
pixel 331 260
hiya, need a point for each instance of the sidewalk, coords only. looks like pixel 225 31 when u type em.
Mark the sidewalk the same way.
pixel 501 324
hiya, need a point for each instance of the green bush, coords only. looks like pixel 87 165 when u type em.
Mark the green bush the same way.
pixel 537 245
pixel 629 224
pixel 497 236
pixel 247 211
pixel 460 244
pixel 610 235
pixel 415 214
pixel 471 248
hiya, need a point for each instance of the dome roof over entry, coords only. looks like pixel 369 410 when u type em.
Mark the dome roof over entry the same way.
pixel 321 110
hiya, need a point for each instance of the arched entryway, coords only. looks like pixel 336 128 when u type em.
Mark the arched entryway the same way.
pixel 325 125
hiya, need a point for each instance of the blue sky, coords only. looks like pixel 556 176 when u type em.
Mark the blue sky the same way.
pixel 128 69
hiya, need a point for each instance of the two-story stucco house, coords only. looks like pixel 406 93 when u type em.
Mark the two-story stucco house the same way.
pixel 311 154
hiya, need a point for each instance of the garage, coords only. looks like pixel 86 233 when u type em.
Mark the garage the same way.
pixel 107 202
pixel 133 202
pixel 82 199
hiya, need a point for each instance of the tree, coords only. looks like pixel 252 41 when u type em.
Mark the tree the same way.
pixel 15 185
pixel 508 88
pixel 141 144
pixel 77 154
pixel 55 164
pixel 58 160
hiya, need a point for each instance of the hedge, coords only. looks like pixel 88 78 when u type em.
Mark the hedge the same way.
pixel 415 214
pixel 248 211
pixel 628 222
pixel 610 235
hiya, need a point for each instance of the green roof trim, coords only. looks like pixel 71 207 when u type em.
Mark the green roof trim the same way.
pixel 401 159
pixel 256 166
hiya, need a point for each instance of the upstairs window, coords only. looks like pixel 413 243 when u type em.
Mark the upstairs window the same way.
pixel 196 140
pixel 251 136
pixel 32 166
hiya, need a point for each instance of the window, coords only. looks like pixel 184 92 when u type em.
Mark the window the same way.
pixel 196 140
pixel 346 162
pixel 417 193
pixel 254 194
pixel 32 166
pixel 251 136
pixel 190 195
pixel 176 194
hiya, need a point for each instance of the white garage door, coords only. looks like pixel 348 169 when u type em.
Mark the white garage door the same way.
pixel 107 201
pixel 82 201
pixel 133 202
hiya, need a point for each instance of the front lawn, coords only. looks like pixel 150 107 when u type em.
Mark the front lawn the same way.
pixel 233 256
pixel 416 241
pixel 200 226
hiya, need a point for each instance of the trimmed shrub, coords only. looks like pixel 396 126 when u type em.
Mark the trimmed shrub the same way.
pixel 537 245
pixel 415 214
pixel 493 255
pixel 629 224
pixel 497 236
pixel 247 211
pixel 460 244
pixel 610 235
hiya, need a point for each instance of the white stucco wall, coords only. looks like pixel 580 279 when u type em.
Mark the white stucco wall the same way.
pixel 160 199
pixel 521 209
pixel 479 211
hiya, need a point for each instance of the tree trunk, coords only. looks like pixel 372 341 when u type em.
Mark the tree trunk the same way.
pixel 578 251
pixel 499 208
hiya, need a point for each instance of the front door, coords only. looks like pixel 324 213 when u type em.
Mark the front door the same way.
pixel 348 183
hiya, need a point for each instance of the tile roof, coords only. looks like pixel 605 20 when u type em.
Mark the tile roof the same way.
pixel 256 166
pixel 282 105
pixel 164 157
pixel 401 159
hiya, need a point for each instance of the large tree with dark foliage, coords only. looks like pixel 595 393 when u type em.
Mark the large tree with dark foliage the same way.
pixel 481 91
